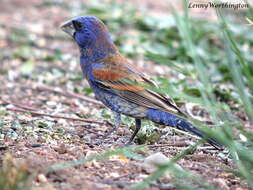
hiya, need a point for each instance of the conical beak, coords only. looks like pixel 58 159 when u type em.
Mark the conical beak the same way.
pixel 68 28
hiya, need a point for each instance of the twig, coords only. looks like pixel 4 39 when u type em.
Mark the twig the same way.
pixel 118 183
pixel 105 121
pixel 66 93
pixel 121 176
pixel 164 145
pixel 181 146
pixel 91 131
pixel 18 105
pixel 56 116
pixel 199 157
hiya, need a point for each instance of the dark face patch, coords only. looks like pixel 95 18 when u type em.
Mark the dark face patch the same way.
pixel 77 25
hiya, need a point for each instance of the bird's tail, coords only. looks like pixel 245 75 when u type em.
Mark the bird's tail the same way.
pixel 166 118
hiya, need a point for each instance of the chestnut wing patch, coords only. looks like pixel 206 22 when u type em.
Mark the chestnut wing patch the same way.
pixel 108 75
pixel 128 86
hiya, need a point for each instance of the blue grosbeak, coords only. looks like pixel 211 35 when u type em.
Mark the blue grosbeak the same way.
pixel 120 86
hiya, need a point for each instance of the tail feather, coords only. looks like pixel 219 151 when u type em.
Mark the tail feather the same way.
pixel 172 120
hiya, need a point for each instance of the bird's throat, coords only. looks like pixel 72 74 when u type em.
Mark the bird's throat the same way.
pixel 96 53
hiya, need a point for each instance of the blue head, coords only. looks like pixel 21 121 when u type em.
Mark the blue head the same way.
pixel 92 37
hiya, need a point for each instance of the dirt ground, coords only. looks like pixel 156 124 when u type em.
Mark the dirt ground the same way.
pixel 41 140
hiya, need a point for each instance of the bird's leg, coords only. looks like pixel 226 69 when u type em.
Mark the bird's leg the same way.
pixel 117 121
pixel 137 128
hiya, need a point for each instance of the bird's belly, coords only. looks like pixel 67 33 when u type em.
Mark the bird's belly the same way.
pixel 119 105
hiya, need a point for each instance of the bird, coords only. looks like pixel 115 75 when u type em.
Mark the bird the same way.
pixel 119 85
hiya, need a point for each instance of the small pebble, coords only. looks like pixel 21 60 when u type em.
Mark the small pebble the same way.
pixel 42 178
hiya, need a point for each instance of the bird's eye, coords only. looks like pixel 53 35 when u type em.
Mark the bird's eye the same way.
pixel 77 25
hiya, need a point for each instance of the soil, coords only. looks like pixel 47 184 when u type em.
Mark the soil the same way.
pixel 41 141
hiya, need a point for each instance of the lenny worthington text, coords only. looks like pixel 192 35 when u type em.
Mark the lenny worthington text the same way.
pixel 224 5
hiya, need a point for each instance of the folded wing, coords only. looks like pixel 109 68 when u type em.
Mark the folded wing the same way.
pixel 119 78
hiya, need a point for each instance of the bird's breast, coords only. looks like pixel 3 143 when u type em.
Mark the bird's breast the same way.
pixel 118 104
